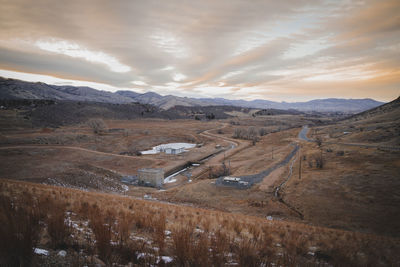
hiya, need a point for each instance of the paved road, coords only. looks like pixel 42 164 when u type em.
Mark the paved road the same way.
pixel 303 134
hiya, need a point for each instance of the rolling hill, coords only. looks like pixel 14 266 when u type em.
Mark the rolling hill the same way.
pixel 16 89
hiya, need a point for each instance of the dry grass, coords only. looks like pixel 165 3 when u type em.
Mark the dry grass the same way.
pixel 125 228
pixel 58 228
pixel 19 231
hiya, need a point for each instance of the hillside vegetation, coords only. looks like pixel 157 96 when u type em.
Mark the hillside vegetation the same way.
pixel 108 229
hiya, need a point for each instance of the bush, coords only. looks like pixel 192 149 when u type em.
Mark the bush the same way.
pixel 19 231
pixel 318 140
pixel 319 161
pixel 101 226
pixel 247 252
pixel 215 172
pixel 262 131
pixel 220 243
pixel 159 231
pixel 97 125
pixel 58 228
pixel 183 240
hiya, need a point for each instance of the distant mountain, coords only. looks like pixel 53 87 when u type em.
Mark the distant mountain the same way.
pixel 16 89
pixel 129 94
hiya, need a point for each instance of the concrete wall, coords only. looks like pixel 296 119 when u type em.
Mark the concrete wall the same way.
pixel 151 177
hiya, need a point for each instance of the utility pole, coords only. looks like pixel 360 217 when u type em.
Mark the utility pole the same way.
pixel 272 153
pixel 300 168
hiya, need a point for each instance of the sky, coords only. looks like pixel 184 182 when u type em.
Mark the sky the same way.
pixel 288 50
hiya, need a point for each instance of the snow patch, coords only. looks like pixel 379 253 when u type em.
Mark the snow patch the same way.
pixel 125 188
pixel 62 253
pixel 167 259
pixel 40 251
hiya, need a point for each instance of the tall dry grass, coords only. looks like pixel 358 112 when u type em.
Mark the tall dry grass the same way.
pixel 128 230
pixel 58 228
pixel 19 231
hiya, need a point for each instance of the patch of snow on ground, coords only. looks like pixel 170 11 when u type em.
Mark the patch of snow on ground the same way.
pixel 40 251
pixel 167 259
pixel 168 179
pixel 62 253
pixel 125 188
pixel 159 148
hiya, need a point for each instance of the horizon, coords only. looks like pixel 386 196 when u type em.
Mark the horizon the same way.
pixel 204 97
pixel 293 51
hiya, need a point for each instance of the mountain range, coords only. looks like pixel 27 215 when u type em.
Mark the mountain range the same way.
pixel 17 89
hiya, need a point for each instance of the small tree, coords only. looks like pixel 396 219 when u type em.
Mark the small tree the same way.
pixel 318 140
pixel 319 161
pixel 262 131
pixel 97 125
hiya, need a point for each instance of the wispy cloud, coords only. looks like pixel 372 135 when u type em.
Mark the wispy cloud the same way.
pixel 280 50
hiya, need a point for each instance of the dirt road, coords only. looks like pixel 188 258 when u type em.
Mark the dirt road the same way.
pixel 70 148
pixel 235 147
pixel 304 131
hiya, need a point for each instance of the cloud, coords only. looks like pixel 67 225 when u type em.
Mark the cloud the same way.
pixel 281 50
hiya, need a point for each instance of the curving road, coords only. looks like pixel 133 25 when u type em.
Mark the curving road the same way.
pixel 303 134
pixel 69 148
pixel 304 131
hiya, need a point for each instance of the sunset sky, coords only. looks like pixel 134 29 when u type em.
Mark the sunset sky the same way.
pixel 288 50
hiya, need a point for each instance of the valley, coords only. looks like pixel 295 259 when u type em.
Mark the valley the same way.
pixel 298 170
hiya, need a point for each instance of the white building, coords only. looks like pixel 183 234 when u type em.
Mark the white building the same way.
pixel 174 151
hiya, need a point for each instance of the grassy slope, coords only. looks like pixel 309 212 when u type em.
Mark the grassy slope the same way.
pixel 238 238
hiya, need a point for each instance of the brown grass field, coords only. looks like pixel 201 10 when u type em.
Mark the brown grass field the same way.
pixel 60 188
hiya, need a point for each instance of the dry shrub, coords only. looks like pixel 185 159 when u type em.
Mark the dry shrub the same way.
pixel 220 243
pixel 142 220
pixel 159 231
pixel 101 225
pixel 19 231
pixel 206 223
pixel 129 251
pixel 83 208
pixel 201 251
pixel 183 240
pixel 256 251
pixel 254 230
pixel 98 126
pixel 247 253
pixel 218 171
pixel 319 161
pixel 123 227
pixel 295 245
pixel 58 228
pixel 236 226
pixel 190 249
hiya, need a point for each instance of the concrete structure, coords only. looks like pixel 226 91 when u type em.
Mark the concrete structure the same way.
pixel 236 182
pixel 170 148
pixel 230 179
pixel 151 177
pixel 174 151
pixel 130 179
